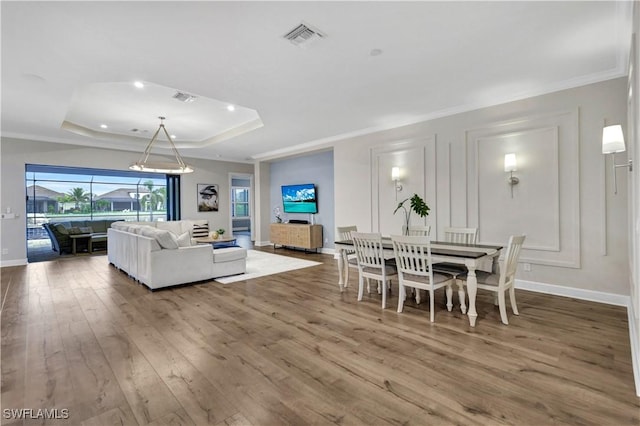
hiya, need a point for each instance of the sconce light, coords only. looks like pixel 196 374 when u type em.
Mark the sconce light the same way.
pixel 395 176
pixel 612 142
pixel 510 166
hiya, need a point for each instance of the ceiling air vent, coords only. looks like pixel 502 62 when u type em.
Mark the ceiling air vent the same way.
pixel 184 97
pixel 303 35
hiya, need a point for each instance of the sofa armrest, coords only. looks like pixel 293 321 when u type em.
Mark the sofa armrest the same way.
pixel 179 266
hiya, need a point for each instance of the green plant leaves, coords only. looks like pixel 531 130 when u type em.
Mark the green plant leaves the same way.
pixel 419 206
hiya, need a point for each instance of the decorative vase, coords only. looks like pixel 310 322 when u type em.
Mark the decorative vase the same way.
pixel 214 235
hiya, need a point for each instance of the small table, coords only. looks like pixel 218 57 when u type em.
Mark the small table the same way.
pixel 95 237
pixel 75 238
pixel 209 240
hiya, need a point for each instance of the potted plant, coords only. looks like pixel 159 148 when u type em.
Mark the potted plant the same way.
pixel 220 231
pixel 416 204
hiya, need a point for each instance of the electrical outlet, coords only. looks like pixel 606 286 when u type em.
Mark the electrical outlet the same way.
pixel 326 240
pixel 527 267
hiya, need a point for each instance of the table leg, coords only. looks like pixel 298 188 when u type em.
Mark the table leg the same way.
pixel 472 289
pixel 73 246
pixel 90 243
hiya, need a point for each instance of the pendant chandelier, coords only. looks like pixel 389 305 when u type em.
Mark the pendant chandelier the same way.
pixel 169 167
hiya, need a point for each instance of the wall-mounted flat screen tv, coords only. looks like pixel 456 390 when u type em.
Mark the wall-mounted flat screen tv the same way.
pixel 299 198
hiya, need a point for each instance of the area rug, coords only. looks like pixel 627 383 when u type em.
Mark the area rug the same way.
pixel 260 264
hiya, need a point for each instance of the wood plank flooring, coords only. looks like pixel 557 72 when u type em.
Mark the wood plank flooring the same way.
pixel 290 349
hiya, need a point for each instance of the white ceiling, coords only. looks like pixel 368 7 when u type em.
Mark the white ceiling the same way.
pixel 437 58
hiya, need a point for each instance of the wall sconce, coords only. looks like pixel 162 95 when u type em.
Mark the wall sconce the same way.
pixel 510 166
pixel 612 142
pixel 395 176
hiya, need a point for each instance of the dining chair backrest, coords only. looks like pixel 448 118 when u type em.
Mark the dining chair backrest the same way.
pixel 417 230
pixel 510 261
pixel 369 249
pixel 343 233
pixel 413 254
pixel 461 235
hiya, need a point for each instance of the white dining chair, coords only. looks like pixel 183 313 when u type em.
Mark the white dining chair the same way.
pixel 503 279
pixel 349 257
pixel 417 230
pixel 413 261
pixel 459 236
pixel 372 264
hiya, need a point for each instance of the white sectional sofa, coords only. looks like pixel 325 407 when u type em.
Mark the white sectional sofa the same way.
pixel 162 254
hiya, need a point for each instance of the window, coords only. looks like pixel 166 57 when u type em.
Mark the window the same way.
pixel 60 194
pixel 240 202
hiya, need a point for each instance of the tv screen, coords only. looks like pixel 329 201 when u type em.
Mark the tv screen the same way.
pixel 299 198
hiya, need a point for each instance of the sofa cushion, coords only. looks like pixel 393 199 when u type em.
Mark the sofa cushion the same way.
pixel 172 226
pixel 99 226
pixel 120 225
pixel 184 240
pixel 187 224
pixel 166 239
pixel 74 230
pixel 61 228
pixel 229 254
pixel 200 231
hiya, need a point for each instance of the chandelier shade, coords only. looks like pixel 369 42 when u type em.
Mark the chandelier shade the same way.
pixel 170 167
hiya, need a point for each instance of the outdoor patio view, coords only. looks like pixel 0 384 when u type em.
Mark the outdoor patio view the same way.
pixel 62 194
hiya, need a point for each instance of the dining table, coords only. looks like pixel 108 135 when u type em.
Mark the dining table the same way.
pixel 473 256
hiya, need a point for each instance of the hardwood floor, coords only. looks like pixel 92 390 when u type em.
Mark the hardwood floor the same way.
pixel 79 335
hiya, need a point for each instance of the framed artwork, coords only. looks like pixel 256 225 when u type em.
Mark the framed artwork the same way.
pixel 207 197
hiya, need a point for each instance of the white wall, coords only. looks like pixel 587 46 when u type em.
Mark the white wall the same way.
pixel 316 168
pixel 577 232
pixel 16 153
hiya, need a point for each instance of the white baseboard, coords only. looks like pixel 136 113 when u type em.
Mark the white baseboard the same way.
pixel 634 337
pixel 15 262
pixel 576 293
pixel 262 243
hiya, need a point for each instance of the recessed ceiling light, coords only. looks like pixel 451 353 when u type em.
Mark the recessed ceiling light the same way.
pixel 375 52
pixel 103 126
pixel 139 84
pixel 173 136
pixel 231 108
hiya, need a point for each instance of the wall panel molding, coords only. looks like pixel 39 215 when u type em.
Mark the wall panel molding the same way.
pixel 546 203
pixel 417 161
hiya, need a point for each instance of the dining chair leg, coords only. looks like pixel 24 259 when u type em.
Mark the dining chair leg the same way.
pixel 384 294
pixel 512 296
pixel 401 297
pixel 418 300
pixel 449 292
pixel 503 308
pixel 360 287
pixel 432 314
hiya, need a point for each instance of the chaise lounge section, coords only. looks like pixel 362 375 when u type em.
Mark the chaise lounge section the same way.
pixel 163 254
pixel 60 234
